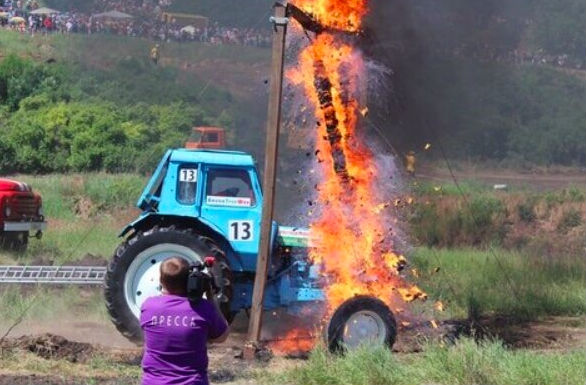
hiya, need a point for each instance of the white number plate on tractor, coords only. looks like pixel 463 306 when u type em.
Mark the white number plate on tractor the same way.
pixel 188 175
pixel 240 231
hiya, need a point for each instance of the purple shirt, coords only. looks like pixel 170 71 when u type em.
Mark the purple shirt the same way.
pixel 175 334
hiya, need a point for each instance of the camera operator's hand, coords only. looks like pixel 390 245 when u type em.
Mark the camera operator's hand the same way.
pixel 214 300
pixel 210 295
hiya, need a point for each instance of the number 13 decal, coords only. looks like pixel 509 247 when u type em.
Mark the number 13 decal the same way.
pixel 240 231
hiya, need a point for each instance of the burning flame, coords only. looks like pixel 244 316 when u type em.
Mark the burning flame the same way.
pixel 343 15
pixel 295 341
pixel 355 248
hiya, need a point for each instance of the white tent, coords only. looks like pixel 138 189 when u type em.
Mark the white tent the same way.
pixel 44 11
pixel 190 29
pixel 112 15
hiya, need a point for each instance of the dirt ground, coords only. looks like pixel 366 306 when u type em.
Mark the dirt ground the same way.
pixel 77 341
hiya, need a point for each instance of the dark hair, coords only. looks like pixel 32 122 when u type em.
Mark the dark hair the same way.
pixel 174 273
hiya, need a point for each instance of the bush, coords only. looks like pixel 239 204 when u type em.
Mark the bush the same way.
pixel 570 219
pixel 478 218
pixel 117 121
pixel 526 212
pixel 474 222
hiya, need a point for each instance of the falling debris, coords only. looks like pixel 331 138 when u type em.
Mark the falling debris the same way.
pixel 439 306
pixel 427 146
pixel 410 162
pixel 380 207
pixel 323 87
pixel 364 111
pixel 433 324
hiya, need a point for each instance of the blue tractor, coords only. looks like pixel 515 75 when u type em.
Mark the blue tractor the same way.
pixel 201 203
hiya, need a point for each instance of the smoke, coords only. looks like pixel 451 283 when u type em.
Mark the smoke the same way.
pixel 438 53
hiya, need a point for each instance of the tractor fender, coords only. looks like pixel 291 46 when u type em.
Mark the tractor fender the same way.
pixel 203 227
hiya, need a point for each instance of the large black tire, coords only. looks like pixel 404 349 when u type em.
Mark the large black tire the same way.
pixel 14 241
pixel 336 329
pixel 120 312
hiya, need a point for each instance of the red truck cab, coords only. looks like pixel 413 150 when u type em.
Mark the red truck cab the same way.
pixel 21 213
pixel 206 137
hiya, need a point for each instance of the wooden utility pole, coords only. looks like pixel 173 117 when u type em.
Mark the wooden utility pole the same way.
pixel 279 21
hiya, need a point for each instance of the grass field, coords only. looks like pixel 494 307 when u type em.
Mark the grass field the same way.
pixel 464 363
pixel 85 213
pixel 108 49
pixel 476 282
pixel 48 304
pixel 97 369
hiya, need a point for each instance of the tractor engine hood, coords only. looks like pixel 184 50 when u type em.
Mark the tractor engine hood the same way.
pixel 11 185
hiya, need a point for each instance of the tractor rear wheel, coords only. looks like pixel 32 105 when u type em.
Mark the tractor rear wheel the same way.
pixel 361 320
pixel 133 273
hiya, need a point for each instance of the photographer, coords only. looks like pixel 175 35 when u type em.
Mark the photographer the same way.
pixel 177 328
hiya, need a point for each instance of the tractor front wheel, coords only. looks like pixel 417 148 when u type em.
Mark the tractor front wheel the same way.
pixel 133 273
pixel 361 320
pixel 14 241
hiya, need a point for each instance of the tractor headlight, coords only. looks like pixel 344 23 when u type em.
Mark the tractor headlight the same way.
pixel 7 211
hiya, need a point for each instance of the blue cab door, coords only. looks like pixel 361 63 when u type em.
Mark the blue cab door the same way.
pixel 232 202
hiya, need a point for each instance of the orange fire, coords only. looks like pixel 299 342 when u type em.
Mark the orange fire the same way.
pixel 355 248
pixel 344 15
pixel 295 341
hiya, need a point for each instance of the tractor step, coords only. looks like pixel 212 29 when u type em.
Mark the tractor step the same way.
pixel 62 275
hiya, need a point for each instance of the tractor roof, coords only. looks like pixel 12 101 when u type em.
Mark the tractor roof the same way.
pixel 207 129
pixel 221 157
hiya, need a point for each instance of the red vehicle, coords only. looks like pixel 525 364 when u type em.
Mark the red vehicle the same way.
pixel 206 137
pixel 21 213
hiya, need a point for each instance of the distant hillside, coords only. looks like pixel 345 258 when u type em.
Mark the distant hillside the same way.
pixel 88 103
pixel 492 80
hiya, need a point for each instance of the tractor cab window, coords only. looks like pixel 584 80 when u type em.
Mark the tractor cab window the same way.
pixel 226 187
pixel 195 136
pixel 210 137
pixel 187 184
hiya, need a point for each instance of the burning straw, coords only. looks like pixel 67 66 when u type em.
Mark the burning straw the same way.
pixel 355 240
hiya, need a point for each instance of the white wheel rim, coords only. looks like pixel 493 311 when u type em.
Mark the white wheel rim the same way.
pixel 362 327
pixel 142 277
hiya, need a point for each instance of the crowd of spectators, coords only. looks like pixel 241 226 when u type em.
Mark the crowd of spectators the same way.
pixel 146 22
pixel 488 53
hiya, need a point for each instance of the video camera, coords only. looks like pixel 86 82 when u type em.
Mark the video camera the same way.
pixel 199 280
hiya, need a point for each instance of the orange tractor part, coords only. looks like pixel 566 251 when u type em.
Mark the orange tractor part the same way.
pixel 206 137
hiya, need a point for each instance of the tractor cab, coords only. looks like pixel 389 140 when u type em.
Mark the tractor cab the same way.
pixel 206 137
pixel 212 189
